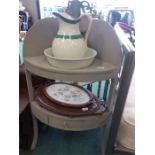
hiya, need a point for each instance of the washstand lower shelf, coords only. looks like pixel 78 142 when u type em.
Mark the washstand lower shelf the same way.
pixel 59 121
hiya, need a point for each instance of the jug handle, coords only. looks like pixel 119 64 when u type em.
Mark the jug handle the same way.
pixel 89 26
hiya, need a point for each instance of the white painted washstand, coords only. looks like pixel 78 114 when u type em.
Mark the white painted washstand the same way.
pixel 106 66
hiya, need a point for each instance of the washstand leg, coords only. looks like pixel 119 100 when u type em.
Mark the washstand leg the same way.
pixel 35 133
pixel 105 133
pixel 31 98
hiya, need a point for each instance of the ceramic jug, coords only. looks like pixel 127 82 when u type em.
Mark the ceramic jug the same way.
pixel 69 43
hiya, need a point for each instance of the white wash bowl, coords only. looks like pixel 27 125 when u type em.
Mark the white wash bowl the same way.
pixel 70 63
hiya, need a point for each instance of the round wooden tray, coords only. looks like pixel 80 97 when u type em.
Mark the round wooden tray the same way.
pixel 70 95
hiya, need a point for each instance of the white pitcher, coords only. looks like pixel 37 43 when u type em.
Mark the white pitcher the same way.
pixel 69 43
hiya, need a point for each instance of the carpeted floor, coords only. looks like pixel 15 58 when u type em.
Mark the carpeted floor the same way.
pixel 58 142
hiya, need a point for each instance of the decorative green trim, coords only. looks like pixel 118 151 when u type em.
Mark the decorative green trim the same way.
pixel 68 36
pixel 65 19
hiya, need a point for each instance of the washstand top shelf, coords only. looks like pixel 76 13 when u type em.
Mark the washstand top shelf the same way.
pixel 98 70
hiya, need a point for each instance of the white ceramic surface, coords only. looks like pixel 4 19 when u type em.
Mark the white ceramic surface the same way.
pixel 70 48
pixel 68 63
pixel 68 94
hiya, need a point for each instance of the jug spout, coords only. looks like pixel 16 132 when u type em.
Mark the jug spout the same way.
pixel 67 18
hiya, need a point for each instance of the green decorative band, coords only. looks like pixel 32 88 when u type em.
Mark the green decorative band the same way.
pixel 68 36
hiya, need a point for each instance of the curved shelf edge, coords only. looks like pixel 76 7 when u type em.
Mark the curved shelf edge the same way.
pixel 68 123
pixel 99 70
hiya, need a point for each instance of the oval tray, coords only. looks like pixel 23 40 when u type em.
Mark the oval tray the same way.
pixel 68 94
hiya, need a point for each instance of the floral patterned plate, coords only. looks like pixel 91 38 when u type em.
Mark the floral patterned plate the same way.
pixel 68 94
